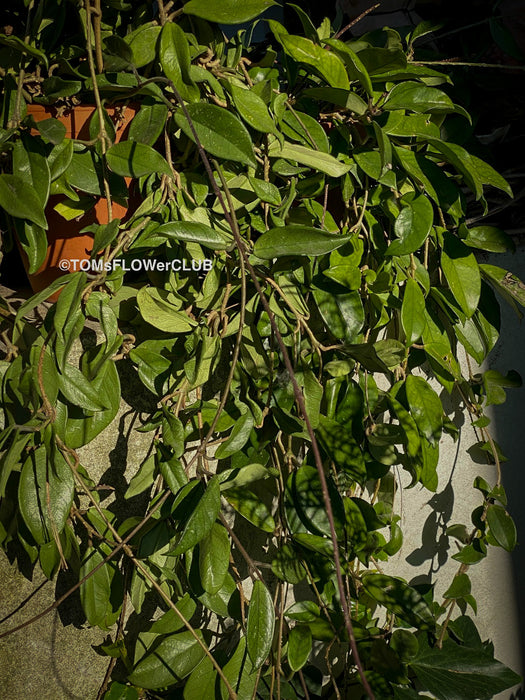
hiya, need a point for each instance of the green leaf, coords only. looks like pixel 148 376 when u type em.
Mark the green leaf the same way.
pixel 425 407
pixel 462 273
pixel 418 98
pixel 296 240
pixel 459 588
pixel 337 96
pixel 502 527
pixel 14 42
pixel 461 673
pixel 413 311
pixel 133 159
pixel 42 518
pixel 194 232
pixel 266 191
pixel 100 594
pixel 143 479
pixel 78 390
pixel 157 310
pixel 342 448
pixel 252 109
pixel 174 51
pixel 299 646
pixel 143 44
pixel 325 63
pixel 488 176
pixel 201 683
pixel 201 520
pixel 20 199
pixel 301 127
pixel 507 284
pixel 238 436
pixel 30 163
pixel 171 622
pixel 305 506
pixel 148 124
pixel 220 133
pixel 250 507
pixel 260 624
pixel 33 240
pixel 354 65
pixel 287 566
pixel 442 189
pixel 214 558
pixel 117 691
pixel 105 234
pixel 412 226
pixel 173 659
pixel 227 11
pixel 240 674
pixel 462 161
pixel 400 598
pixel 324 162
pixel 489 238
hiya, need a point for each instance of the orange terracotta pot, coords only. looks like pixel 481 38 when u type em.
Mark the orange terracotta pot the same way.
pixel 65 242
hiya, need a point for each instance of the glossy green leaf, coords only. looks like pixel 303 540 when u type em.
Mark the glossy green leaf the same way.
pixel 418 98
pixel 442 190
pixel 299 646
pixel 325 63
pixel 240 673
pixel 461 673
pixel 220 133
pixel 238 437
pixel 228 11
pixel 400 598
pixel 356 69
pixel 412 311
pixel 201 519
pixel 143 44
pixel 296 240
pixel 502 527
pixel 252 109
pixel 194 232
pixel 100 594
pixel 412 226
pixel 459 588
pixel 266 191
pixel 148 124
pixel 214 558
pixel 260 624
pixel 173 659
pixel 462 273
pixel 287 566
pixel 14 42
pixel 171 621
pixel 174 52
pixel 20 199
pixel 324 162
pixel 305 506
pixel 337 96
pixel 157 310
pixel 134 159
pixel 489 238
pixel 43 518
pixel 79 391
pixel 251 507
pixel 425 407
